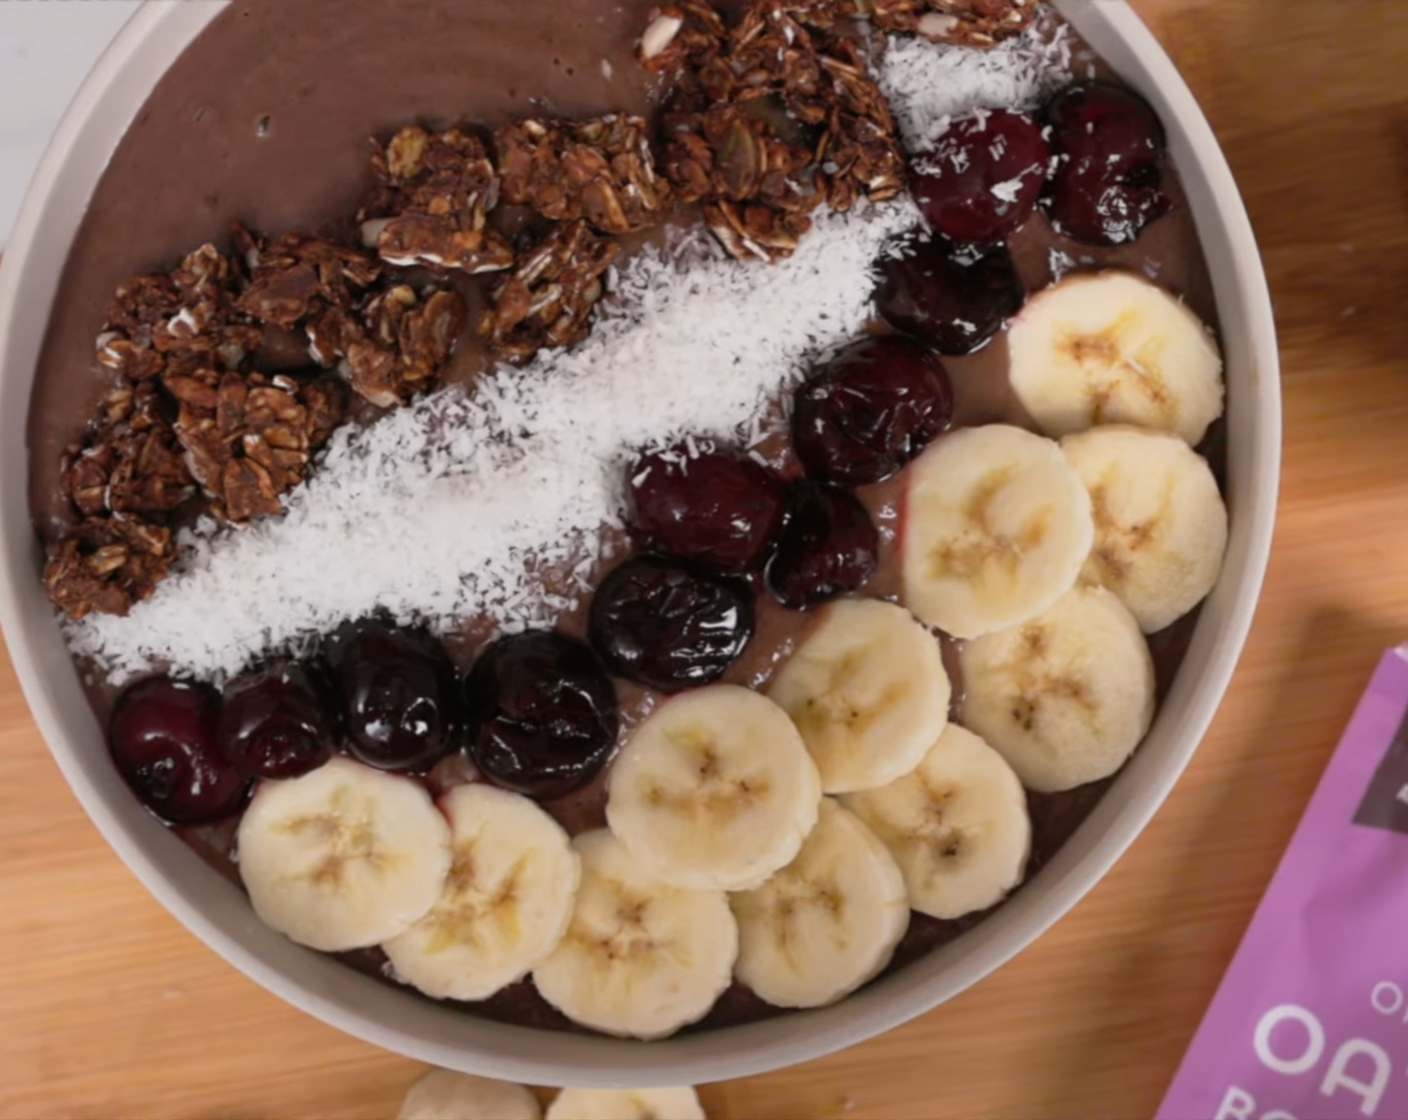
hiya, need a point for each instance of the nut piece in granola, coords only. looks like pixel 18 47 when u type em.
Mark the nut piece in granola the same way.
pixel 548 299
pixel 248 438
pixel 435 191
pixel 601 170
pixel 680 36
pixel 106 564
pixel 182 320
pixel 130 461
pixel 965 23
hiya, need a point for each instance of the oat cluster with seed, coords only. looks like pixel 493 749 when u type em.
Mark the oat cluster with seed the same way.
pixel 768 119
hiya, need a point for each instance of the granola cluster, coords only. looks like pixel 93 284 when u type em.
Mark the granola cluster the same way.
pixel 547 299
pixel 183 320
pixel 966 23
pixel 388 338
pixel 769 119
pixel 601 170
pixel 106 564
pixel 587 182
pixel 249 437
pixel 431 207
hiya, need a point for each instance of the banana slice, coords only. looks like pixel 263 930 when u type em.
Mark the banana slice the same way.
pixel 505 904
pixel 714 791
pixel 868 691
pixel 958 826
pixel 443 1094
pixel 1111 347
pixel 1160 525
pixel 344 856
pixel 1066 696
pixel 641 958
pixel 996 528
pixel 678 1102
pixel 826 923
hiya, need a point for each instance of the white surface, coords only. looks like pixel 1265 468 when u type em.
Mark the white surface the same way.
pixel 219 913
pixel 46 49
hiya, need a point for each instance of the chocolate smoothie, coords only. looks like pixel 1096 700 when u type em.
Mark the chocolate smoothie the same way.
pixel 265 120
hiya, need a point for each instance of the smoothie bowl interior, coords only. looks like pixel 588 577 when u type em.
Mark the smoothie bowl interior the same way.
pixel 266 120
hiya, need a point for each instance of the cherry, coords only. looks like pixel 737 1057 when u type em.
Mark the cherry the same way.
pixel 828 546
pixel 162 737
pixel 278 722
pixel 542 713
pixel 953 302
pixel 984 175
pixel 400 699
pixel 1108 182
pixel 871 410
pixel 666 625
pixel 718 507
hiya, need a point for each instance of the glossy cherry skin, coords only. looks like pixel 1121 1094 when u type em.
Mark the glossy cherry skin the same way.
pixel 542 713
pixel 669 625
pixel 829 547
pixel 278 722
pixel 984 175
pixel 162 737
pixel 952 302
pixel 400 702
pixel 719 508
pixel 874 407
pixel 1109 176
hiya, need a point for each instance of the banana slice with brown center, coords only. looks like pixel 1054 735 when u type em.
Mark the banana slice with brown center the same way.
pixel 958 826
pixel 868 691
pixel 826 923
pixel 1111 347
pixel 344 856
pixel 996 527
pixel 640 958
pixel 1160 524
pixel 505 903
pixel 1066 696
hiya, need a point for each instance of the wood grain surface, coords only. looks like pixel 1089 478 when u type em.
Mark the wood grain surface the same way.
pixel 108 1008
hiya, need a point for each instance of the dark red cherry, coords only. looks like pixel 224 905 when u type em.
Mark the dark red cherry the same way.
pixel 162 737
pixel 870 410
pixel 278 722
pixel 1095 123
pixel 984 175
pixel 400 701
pixel 1108 183
pixel 828 547
pixel 717 507
pixel 954 302
pixel 542 713
pixel 668 625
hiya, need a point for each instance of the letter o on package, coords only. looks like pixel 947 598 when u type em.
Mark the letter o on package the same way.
pixel 1280 1062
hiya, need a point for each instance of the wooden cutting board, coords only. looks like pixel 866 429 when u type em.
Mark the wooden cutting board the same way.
pixel 108 1008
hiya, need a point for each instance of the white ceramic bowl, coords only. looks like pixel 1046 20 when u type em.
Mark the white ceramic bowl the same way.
pixel 218 913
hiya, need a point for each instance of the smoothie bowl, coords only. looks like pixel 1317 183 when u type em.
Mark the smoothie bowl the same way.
pixel 630 544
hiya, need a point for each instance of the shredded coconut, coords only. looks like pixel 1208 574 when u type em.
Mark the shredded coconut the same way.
pixel 928 84
pixel 461 505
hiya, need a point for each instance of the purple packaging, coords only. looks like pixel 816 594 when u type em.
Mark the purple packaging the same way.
pixel 1311 1020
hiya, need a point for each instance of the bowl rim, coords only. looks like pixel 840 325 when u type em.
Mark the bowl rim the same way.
pixel 404 1022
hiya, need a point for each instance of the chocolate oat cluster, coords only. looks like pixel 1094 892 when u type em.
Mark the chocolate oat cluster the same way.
pixel 769 119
